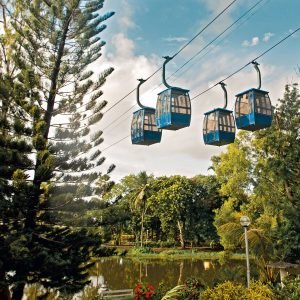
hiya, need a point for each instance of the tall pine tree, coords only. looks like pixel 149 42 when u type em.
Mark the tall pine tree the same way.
pixel 54 99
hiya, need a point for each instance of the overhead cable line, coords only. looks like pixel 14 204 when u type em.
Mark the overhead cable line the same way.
pixel 117 119
pixel 243 67
pixel 206 46
pixel 229 76
pixel 207 52
pixel 179 51
pixel 115 143
pixel 219 35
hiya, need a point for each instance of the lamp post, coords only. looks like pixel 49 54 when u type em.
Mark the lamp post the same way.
pixel 245 222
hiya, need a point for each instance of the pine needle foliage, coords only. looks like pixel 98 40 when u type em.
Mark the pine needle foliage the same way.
pixel 50 100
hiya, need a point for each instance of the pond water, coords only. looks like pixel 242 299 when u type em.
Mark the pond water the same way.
pixel 124 273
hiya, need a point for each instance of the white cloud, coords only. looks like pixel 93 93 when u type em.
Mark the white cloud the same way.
pixel 183 151
pixel 123 46
pixel 254 41
pixel 267 36
pixel 296 34
pixel 175 39
pixel 217 6
pixel 125 20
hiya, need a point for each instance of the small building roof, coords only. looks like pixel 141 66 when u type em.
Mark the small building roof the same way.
pixel 282 265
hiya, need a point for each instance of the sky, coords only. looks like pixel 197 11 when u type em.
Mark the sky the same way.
pixel 142 31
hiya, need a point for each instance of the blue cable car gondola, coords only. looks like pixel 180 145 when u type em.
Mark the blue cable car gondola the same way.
pixel 218 125
pixel 173 108
pixel 253 108
pixel 143 127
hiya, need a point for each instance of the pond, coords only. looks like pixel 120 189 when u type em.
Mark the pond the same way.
pixel 124 273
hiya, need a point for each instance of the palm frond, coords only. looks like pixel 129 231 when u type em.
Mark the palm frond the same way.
pixel 174 293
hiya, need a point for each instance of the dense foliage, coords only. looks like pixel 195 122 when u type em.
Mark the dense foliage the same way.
pixel 162 211
pixel 56 207
pixel 290 290
pixel 233 291
pixel 259 174
pixel 50 101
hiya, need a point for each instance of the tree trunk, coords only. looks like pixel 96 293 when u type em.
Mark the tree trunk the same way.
pixel 287 191
pixel 180 273
pixel 5 294
pixel 181 234
pixel 17 291
pixel 142 230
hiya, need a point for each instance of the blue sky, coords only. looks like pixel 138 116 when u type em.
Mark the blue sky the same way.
pixel 142 31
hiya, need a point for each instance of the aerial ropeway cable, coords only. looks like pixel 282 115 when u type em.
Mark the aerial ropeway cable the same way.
pixel 178 52
pixel 267 115
pixel 117 120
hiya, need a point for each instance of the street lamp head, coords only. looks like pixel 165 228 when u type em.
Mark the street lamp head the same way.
pixel 245 221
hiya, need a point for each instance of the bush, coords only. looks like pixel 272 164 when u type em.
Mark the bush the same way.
pixel 141 250
pixel 259 291
pixel 121 252
pixel 167 244
pixel 190 290
pixel 171 252
pixel 144 291
pixel 290 290
pixel 226 290
pixel 106 251
pixel 152 244
pixel 234 291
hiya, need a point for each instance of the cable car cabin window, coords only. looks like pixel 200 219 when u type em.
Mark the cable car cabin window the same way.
pixel 159 106
pixel 263 104
pixel 242 105
pixel 149 122
pixel 166 101
pixel 133 125
pixel 211 124
pixel 226 122
pixel 139 123
pixel 181 102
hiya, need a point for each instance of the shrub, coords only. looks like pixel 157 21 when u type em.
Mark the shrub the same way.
pixel 141 250
pixel 259 291
pixel 290 290
pixel 171 252
pixel 152 244
pixel 190 290
pixel 121 252
pixel 167 244
pixel 147 291
pixel 106 251
pixel 144 291
pixel 226 290
pixel 235 291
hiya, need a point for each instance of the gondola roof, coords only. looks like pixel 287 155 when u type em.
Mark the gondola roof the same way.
pixel 253 89
pixel 174 88
pixel 217 109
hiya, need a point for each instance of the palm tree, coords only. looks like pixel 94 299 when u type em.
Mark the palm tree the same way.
pixel 140 193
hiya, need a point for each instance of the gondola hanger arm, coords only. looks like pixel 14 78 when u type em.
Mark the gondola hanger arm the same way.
pixel 222 84
pixel 256 64
pixel 167 59
pixel 141 81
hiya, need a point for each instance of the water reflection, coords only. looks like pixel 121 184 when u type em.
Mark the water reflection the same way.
pixel 124 273
pixel 206 265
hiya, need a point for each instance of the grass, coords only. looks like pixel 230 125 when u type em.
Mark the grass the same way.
pixel 177 253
